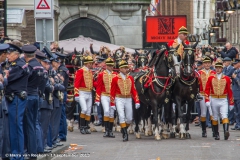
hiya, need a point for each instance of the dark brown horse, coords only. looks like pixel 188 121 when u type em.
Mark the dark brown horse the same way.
pixel 184 91
pixel 154 88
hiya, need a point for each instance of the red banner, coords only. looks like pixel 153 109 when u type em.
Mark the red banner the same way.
pixel 164 28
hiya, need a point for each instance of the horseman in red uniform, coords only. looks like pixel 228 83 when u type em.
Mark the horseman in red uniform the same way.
pixel 103 94
pixel 182 37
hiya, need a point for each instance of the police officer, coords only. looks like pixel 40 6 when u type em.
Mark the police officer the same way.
pixel 16 95
pixel 45 105
pixel 236 93
pixel 4 127
pixel 31 112
pixel 57 101
pixel 63 71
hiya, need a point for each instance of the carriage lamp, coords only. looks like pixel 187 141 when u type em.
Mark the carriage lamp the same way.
pixel 222 16
pixel 229 6
pixel 214 23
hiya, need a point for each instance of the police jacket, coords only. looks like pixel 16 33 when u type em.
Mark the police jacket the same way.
pixel 236 85
pixel 18 77
pixel 35 77
pixel 58 88
pixel 228 71
pixel 48 90
pixel 62 70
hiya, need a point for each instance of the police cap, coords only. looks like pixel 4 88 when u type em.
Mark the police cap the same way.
pixel 14 48
pixel 54 58
pixel 227 59
pixel 29 49
pixel 4 47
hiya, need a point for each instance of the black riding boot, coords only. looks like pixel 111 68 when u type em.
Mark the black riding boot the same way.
pixel 216 132
pixel 110 127
pixel 106 134
pixel 213 132
pixel 226 132
pixel 125 134
pixel 87 127
pixel 204 131
pixel 82 125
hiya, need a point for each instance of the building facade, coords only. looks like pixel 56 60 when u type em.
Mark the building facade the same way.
pixel 114 21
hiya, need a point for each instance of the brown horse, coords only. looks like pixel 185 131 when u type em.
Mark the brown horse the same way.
pixel 158 81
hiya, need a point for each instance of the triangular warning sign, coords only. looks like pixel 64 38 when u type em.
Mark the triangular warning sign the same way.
pixel 43 5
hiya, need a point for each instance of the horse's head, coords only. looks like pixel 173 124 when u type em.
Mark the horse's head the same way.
pixel 77 58
pixel 187 64
pixel 174 58
pixel 118 56
pixel 142 58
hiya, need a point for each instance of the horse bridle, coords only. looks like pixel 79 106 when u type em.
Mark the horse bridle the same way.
pixel 189 53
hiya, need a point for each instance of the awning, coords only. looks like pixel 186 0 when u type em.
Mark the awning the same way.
pixel 84 42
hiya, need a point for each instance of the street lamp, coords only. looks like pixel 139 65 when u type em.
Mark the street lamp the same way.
pixel 228 6
pixel 214 23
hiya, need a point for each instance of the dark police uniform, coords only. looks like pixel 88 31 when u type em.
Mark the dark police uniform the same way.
pixel 57 110
pixel 62 70
pixel 228 71
pixel 236 96
pixel 31 112
pixel 44 110
pixel 16 101
pixel 4 127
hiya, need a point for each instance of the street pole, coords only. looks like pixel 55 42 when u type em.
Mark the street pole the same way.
pixel 209 37
pixel 5 18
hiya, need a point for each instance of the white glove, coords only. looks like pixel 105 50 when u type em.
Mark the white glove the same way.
pixel 231 107
pixel 97 103
pixel 113 107
pixel 208 104
pixel 137 105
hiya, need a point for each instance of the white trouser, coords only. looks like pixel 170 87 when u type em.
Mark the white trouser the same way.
pixel 105 100
pixel 124 108
pixel 204 108
pixel 85 100
pixel 219 106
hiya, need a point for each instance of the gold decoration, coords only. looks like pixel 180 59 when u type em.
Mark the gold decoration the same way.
pixel 124 86
pixel 88 78
pixel 192 96
pixel 166 100
pixel 107 80
pixel 190 52
pixel 218 85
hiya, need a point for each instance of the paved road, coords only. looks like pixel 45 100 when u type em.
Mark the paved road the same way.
pixel 147 148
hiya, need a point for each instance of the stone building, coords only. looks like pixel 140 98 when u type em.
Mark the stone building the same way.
pixel 114 21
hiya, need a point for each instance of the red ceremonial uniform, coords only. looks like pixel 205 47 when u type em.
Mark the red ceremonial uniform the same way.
pixel 174 43
pixel 104 84
pixel 202 79
pixel 83 80
pixel 219 88
pixel 123 89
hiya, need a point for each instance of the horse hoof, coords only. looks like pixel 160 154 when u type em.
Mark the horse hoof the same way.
pixel 70 128
pixel 188 136
pixel 158 137
pixel 150 133
pixel 172 135
pixel 165 135
pixel 142 130
pixel 93 129
pixel 182 136
pixel 176 135
pixel 138 136
pixel 103 130
pixel 130 131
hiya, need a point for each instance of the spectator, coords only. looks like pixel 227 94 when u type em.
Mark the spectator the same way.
pixel 229 51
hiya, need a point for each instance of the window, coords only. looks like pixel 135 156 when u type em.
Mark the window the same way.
pixel 197 30
pixel 198 9
pixel 204 9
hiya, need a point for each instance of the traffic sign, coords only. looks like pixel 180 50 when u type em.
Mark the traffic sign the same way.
pixel 43 9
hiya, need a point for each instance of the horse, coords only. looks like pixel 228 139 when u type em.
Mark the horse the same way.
pixel 184 90
pixel 154 88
